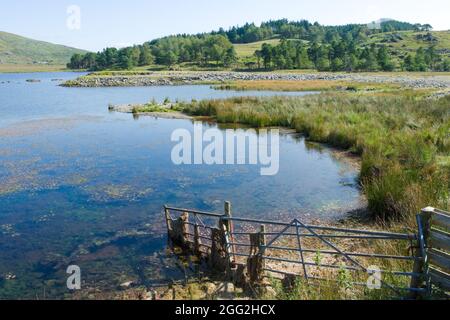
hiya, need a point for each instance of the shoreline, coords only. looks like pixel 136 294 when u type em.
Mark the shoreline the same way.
pixel 130 109
pixel 171 78
pixel 347 156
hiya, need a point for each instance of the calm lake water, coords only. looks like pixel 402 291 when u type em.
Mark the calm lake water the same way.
pixel 83 186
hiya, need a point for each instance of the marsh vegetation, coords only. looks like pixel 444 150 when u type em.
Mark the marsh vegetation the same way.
pixel 402 138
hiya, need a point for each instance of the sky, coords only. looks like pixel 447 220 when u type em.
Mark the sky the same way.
pixel 96 24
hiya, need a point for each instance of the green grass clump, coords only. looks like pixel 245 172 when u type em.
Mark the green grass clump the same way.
pixel 402 138
pixel 154 106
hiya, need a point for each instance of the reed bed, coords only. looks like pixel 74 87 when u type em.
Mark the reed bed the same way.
pixel 402 138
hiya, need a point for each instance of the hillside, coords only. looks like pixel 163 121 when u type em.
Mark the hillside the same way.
pixel 17 50
pixel 405 42
pixel 401 42
pixel 394 46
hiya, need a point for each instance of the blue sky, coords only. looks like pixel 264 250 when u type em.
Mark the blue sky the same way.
pixel 120 23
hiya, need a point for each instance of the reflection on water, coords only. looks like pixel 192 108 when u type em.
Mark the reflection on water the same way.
pixel 84 186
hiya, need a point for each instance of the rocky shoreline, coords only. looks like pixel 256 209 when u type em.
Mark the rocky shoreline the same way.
pixel 441 82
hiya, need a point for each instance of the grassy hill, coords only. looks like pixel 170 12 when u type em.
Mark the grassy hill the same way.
pixel 400 43
pixel 409 41
pixel 244 50
pixel 20 51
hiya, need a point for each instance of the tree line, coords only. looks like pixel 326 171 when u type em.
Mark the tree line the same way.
pixel 345 56
pixel 200 49
pixel 313 32
pixel 335 48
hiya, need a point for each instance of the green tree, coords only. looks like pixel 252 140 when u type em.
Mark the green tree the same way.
pixel 169 59
pixel 303 61
pixel 75 61
pixel 420 60
pixel 266 52
pixel 146 57
pixel 337 64
pixel 351 62
pixel 230 57
pixel 323 64
pixel 384 59
pixel 368 61
pixel 125 60
pixel 409 63
pixel 446 65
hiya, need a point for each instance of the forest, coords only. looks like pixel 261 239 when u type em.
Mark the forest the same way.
pixel 345 56
pixel 303 45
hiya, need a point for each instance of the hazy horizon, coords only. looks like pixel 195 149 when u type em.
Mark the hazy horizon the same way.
pixel 104 24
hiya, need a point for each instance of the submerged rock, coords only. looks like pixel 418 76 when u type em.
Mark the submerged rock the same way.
pixel 127 285
pixel 10 276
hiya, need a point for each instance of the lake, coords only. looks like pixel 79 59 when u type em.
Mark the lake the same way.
pixel 83 186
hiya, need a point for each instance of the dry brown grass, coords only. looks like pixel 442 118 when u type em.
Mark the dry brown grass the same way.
pixel 306 85
pixel 25 68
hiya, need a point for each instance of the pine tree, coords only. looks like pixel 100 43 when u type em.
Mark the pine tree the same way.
pixel 384 59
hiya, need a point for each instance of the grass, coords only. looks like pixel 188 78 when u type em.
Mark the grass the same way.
pixel 410 43
pixel 247 50
pixel 154 106
pixel 15 49
pixel 244 50
pixel 306 85
pixel 402 138
pixel 25 68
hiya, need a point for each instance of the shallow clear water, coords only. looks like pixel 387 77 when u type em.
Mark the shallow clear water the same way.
pixel 80 185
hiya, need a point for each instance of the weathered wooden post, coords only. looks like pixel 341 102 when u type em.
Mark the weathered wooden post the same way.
pixel 197 241
pixel 262 245
pixel 169 223
pixel 179 231
pixel 421 265
pixel 255 262
pixel 228 223
pixel 184 219
pixel 229 226
pixel 218 260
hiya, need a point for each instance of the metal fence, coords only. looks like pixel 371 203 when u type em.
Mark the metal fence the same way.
pixel 249 250
pixel 435 226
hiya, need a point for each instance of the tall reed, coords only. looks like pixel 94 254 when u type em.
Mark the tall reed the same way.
pixel 403 139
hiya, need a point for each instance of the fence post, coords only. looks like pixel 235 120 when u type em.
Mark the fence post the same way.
pixel 230 228
pixel 218 259
pixel 185 228
pixel 228 223
pixel 168 222
pixel 421 266
pixel 427 217
pixel 255 264
pixel 262 244
pixel 197 240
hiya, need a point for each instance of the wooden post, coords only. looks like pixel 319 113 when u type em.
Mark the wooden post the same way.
pixel 185 228
pixel 197 241
pixel 427 218
pixel 218 260
pixel 169 222
pixel 255 262
pixel 421 266
pixel 228 223
pixel 262 244
pixel 230 229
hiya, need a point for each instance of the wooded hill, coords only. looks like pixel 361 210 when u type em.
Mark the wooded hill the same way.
pixel 282 44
